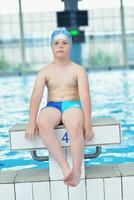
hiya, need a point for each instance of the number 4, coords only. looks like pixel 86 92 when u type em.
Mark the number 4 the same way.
pixel 65 137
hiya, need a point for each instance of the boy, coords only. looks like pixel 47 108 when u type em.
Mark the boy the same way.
pixel 68 102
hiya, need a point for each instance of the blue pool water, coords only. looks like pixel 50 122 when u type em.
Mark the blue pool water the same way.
pixel 112 94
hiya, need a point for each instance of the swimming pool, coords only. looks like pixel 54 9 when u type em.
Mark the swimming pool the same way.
pixel 112 94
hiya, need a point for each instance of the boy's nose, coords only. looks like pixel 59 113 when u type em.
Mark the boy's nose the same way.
pixel 60 46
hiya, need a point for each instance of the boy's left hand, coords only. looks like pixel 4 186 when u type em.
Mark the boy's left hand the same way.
pixel 88 132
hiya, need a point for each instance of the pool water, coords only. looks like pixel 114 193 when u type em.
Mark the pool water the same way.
pixel 112 95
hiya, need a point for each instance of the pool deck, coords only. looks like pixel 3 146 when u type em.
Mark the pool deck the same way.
pixel 103 182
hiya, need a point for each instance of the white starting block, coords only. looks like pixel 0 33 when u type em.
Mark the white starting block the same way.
pixel 106 131
pixel 48 184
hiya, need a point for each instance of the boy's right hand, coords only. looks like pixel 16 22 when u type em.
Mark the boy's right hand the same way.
pixel 88 132
pixel 31 131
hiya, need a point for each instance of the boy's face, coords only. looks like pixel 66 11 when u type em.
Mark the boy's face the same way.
pixel 61 48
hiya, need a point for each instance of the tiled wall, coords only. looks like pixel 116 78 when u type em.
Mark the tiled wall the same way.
pixel 109 182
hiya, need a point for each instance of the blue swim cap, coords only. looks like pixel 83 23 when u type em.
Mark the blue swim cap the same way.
pixel 61 33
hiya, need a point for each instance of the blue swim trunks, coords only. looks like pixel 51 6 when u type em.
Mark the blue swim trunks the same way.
pixel 64 105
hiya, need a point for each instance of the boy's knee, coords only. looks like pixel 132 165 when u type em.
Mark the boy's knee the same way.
pixel 75 128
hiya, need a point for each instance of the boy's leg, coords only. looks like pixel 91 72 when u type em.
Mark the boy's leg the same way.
pixel 73 121
pixel 48 119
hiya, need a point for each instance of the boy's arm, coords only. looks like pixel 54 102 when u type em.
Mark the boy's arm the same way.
pixel 36 97
pixel 84 93
pixel 35 103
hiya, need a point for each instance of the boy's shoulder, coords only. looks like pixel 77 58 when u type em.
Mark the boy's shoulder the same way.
pixel 44 70
pixel 79 68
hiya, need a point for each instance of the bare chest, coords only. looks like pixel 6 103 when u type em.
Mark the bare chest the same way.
pixel 61 80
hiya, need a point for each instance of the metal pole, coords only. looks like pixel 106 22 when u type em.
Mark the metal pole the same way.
pixel 123 30
pixel 46 158
pixel 23 60
pixel 72 5
pixel 94 155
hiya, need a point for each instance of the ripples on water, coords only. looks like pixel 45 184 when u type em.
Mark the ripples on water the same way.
pixel 112 94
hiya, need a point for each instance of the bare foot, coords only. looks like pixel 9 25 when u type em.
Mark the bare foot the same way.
pixel 75 180
pixel 68 174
